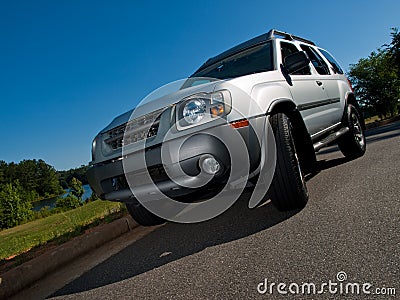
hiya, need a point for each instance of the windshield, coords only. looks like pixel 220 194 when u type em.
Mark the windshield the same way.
pixel 254 60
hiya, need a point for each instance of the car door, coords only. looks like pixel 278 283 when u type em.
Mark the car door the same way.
pixel 334 81
pixel 329 82
pixel 308 92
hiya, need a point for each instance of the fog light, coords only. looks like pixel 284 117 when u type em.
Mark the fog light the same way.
pixel 210 165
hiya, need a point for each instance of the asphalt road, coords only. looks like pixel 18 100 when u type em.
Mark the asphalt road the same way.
pixel 351 224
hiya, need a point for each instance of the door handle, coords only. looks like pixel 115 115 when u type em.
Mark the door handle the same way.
pixel 319 83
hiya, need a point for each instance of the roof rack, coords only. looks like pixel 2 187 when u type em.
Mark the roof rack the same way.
pixel 275 33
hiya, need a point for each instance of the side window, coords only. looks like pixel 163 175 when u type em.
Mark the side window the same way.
pixel 317 61
pixel 336 67
pixel 287 49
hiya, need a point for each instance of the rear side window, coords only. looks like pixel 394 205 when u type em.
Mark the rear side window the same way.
pixel 317 61
pixel 288 49
pixel 336 67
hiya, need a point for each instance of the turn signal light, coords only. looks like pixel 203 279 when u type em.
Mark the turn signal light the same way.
pixel 240 123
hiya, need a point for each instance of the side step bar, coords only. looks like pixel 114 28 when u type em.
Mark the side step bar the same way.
pixel 330 138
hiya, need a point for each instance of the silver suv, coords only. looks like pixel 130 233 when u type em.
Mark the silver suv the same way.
pixel 276 80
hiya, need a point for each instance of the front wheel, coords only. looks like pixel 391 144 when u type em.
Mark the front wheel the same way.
pixel 352 144
pixel 142 216
pixel 288 189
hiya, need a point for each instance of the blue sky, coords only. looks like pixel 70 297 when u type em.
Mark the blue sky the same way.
pixel 67 68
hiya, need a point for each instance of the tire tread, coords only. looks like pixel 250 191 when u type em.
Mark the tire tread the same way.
pixel 142 216
pixel 287 190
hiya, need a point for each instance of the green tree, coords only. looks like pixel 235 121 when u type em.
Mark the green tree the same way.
pixel 68 202
pixel 394 48
pixel 10 172
pixel 48 183
pixel 27 174
pixel 376 82
pixel 36 177
pixel 14 209
pixel 78 173
pixel 3 168
pixel 76 188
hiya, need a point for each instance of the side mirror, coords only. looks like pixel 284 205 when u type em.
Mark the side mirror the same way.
pixel 296 61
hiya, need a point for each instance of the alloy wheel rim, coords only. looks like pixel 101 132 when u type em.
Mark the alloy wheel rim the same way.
pixel 357 130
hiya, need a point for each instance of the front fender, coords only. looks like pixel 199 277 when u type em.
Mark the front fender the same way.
pixel 267 95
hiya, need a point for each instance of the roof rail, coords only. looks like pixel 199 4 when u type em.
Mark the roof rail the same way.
pixel 273 33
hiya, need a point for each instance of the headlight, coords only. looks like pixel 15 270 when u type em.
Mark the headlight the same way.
pixel 202 108
pixel 194 110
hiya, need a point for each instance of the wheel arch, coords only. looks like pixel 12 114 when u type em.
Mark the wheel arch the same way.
pixel 351 99
pixel 302 137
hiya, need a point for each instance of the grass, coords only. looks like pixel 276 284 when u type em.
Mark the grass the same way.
pixel 372 120
pixel 61 226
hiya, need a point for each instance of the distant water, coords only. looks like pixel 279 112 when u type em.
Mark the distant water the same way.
pixel 51 202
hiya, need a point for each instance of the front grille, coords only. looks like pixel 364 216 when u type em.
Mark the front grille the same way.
pixel 141 128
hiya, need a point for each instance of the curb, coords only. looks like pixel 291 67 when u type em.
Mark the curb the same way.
pixel 382 123
pixel 15 280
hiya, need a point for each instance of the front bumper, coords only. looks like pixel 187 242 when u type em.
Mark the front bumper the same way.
pixel 109 179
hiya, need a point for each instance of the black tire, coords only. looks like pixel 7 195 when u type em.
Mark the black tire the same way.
pixel 142 216
pixel 353 144
pixel 288 189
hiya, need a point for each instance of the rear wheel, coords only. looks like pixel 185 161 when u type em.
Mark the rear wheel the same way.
pixel 142 216
pixel 288 189
pixel 352 144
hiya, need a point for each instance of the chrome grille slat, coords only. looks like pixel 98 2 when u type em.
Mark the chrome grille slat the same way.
pixel 141 128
